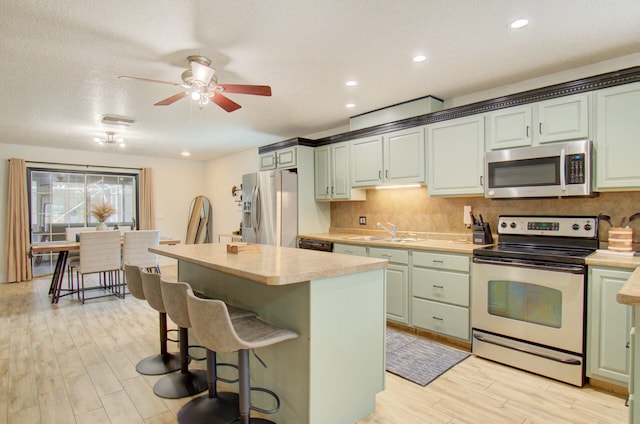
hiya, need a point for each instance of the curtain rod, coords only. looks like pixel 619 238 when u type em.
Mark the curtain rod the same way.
pixel 86 166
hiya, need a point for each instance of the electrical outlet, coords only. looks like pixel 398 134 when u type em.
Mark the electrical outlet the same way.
pixel 466 215
pixel 363 220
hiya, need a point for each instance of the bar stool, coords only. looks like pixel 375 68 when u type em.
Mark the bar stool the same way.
pixel 214 407
pixel 215 330
pixel 164 362
pixel 185 383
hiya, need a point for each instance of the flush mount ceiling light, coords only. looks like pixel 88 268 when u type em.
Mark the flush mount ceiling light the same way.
pixel 519 23
pixel 110 139
pixel 110 119
pixel 185 154
pixel 351 83
pixel 419 58
pixel 350 105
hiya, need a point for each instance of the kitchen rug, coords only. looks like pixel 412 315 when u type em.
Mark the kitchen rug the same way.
pixel 419 360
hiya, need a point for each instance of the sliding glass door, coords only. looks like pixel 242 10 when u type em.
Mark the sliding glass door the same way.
pixel 60 199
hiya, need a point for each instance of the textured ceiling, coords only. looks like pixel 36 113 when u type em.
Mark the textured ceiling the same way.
pixel 62 58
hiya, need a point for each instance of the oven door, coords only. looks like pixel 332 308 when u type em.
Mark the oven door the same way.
pixel 530 302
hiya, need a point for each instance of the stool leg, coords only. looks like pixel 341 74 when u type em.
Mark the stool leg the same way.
pixel 214 407
pixel 163 363
pixel 245 386
pixel 185 383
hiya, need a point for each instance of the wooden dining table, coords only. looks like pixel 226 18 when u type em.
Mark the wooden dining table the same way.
pixel 62 248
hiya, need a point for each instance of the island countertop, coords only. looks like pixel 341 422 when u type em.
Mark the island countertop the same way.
pixel 271 265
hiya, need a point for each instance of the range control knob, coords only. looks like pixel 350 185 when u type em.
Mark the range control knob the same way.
pixel 503 224
pixel 513 225
pixel 587 227
pixel 575 227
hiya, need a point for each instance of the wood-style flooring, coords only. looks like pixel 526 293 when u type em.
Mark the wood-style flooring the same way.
pixel 74 363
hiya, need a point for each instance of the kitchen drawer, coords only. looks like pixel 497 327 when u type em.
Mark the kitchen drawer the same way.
pixel 350 249
pixel 441 286
pixel 392 255
pixel 449 261
pixel 441 318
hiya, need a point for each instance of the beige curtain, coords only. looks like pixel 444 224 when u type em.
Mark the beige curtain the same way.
pixel 147 212
pixel 17 243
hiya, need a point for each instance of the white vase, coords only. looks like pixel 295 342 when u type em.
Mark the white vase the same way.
pixel 101 226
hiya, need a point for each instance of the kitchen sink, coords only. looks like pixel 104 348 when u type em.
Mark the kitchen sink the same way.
pixel 383 239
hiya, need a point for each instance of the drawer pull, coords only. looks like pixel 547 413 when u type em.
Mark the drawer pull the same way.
pixel 437 261
pixel 438 287
pixel 386 255
pixel 438 318
pixel 348 251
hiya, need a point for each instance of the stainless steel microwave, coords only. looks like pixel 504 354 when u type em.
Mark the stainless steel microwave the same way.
pixel 551 170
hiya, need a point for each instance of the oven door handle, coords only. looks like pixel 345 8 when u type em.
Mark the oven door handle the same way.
pixel 547 266
pixel 565 360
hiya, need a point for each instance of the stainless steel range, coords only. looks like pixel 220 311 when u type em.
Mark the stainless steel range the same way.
pixel 529 295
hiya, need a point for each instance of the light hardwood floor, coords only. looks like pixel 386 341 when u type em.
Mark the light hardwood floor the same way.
pixel 73 363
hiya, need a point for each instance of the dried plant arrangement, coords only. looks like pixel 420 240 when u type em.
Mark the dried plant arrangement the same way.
pixel 102 211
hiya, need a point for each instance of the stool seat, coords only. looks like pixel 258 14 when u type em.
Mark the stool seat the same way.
pixel 164 362
pixel 216 330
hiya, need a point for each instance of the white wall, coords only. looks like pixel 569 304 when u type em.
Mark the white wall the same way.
pixel 220 175
pixel 176 183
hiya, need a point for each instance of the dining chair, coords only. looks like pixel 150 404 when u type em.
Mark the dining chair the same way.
pixel 100 253
pixel 135 249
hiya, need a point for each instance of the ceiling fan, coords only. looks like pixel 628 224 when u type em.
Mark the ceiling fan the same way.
pixel 202 86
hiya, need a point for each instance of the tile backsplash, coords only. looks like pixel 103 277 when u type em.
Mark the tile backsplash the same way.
pixel 411 209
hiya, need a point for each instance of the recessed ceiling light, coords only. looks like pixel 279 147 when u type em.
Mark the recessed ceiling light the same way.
pixel 185 154
pixel 351 83
pixel 519 23
pixel 419 58
pixel 350 105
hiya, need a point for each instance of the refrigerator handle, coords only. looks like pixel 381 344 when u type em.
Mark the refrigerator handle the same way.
pixel 257 210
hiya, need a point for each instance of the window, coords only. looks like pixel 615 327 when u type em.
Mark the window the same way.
pixel 61 199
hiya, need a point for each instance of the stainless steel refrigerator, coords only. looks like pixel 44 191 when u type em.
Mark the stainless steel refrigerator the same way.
pixel 270 208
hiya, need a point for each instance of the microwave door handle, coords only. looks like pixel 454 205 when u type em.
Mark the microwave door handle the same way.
pixel 563 170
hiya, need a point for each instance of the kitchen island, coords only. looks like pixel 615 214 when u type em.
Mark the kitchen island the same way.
pixel 336 303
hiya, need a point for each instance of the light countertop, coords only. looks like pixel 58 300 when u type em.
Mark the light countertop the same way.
pixel 451 244
pixel 271 265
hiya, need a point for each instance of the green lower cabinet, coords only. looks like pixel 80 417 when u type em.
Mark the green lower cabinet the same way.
pixel 440 293
pixel 397 282
pixel 608 327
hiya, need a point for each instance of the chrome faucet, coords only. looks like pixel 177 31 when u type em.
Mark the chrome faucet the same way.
pixel 393 231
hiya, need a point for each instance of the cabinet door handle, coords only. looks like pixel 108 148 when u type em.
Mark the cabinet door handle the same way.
pixel 379 175
pixel 438 318
pixel 327 189
pixel 386 173
pixel 527 134
pixel 481 181
pixel 540 127
pixel 331 189
pixel 438 287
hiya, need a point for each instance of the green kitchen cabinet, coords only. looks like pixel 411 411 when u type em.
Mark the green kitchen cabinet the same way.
pixel 397 282
pixel 617 138
pixel 560 119
pixel 608 326
pixel 332 177
pixel 279 159
pixel 394 158
pixel 440 293
pixel 350 249
pixel 456 157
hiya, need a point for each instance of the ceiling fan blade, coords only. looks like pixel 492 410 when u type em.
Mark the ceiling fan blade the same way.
pixel 224 102
pixel 149 80
pixel 201 72
pixel 258 90
pixel 172 99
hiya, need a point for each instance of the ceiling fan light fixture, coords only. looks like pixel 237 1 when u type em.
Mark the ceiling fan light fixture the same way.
pixel 195 95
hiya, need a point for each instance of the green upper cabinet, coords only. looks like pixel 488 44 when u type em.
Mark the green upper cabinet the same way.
pixel 456 157
pixel 394 158
pixel 617 138
pixel 279 159
pixel 560 119
pixel 332 177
